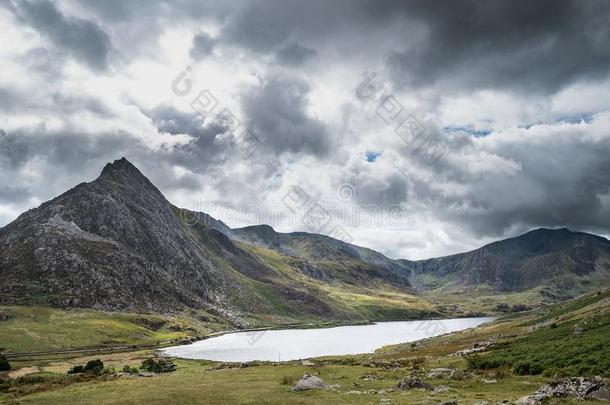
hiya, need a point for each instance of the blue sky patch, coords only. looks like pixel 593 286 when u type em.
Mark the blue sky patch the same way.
pixel 371 156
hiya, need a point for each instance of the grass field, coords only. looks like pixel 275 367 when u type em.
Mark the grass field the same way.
pixel 44 329
pixel 547 333
pixel 196 383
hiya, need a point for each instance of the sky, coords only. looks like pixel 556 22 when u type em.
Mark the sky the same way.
pixel 416 128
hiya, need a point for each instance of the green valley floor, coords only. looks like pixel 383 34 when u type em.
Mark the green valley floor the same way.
pixel 501 361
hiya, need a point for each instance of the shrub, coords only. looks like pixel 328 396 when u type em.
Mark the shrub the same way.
pixel 158 366
pixel 130 370
pixel 94 367
pixel 526 368
pixel 476 361
pixel 4 363
pixel 287 380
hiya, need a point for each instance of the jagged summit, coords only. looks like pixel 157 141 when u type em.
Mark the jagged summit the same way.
pixel 122 174
pixel 118 165
pixel 121 169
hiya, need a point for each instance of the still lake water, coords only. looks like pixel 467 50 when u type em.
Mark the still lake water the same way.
pixel 295 344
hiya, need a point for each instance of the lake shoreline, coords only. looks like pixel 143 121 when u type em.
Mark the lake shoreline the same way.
pixel 325 325
pixel 315 340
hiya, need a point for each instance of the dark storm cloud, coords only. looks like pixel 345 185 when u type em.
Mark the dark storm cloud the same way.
pixel 82 39
pixel 383 193
pixel 464 44
pixel 207 149
pixel 202 46
pixel 13 151
pixel 545 181
pixel 276 113
pixel 294 54
pixel 535 46
pixel 13 195
pixel 68 158
pixel 121 11
pixel 61 148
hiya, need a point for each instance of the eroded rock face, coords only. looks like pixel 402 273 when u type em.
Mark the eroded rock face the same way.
pixel 574 387
pixel 310 382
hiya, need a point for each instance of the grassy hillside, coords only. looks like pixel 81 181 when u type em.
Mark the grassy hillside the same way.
pixel 44 329
pixel 567 340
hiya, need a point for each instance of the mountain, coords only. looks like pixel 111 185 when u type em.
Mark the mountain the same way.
pixel 570 262
pixel 327 257
pixel 116 243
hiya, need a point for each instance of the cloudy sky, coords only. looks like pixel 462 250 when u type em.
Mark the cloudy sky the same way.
pixel 416 128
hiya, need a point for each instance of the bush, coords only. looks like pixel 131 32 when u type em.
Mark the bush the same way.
pixel 158 366
pixel 4 363
pixel 476 361
pixel 287 380
pixel 130 370
pixel 526 368
pixel 94 367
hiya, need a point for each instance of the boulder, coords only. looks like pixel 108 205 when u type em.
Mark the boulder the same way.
pixel 440 372
pixel 310 382
pixel 575 387
pixel 440 389
pixel 413 382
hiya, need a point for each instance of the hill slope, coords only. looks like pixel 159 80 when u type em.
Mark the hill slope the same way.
pixel 328 258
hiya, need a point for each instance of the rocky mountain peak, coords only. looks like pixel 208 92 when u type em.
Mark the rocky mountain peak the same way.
pixel 126 176
pixel 120 168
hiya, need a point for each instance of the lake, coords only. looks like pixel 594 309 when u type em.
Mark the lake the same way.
pixel 295 344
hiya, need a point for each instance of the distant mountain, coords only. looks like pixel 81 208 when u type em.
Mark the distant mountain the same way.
pixel 332 258
pixel 570 262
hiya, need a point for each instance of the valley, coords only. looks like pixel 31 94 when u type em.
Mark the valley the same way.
pixel 111 270
pixel 543 339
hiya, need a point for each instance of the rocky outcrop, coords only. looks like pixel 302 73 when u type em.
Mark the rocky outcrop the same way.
pixel 573 387
pixel 413 382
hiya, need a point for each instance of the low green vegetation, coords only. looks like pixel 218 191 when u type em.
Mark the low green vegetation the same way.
pixel 515 355
pixel 573 348
pixel 94 367
pixel 30 329
pixel 5 365
pixel 158 365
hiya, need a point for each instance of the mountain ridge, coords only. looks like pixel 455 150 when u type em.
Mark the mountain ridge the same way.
pixel 116 243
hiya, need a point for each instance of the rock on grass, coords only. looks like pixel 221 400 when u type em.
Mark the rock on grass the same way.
pixel 310 382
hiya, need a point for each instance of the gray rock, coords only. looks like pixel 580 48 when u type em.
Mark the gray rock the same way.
pixel 413 382
pixel 600 394
pixel 574 387
pixel 441 388
pixel 440 372
pixel 310 382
